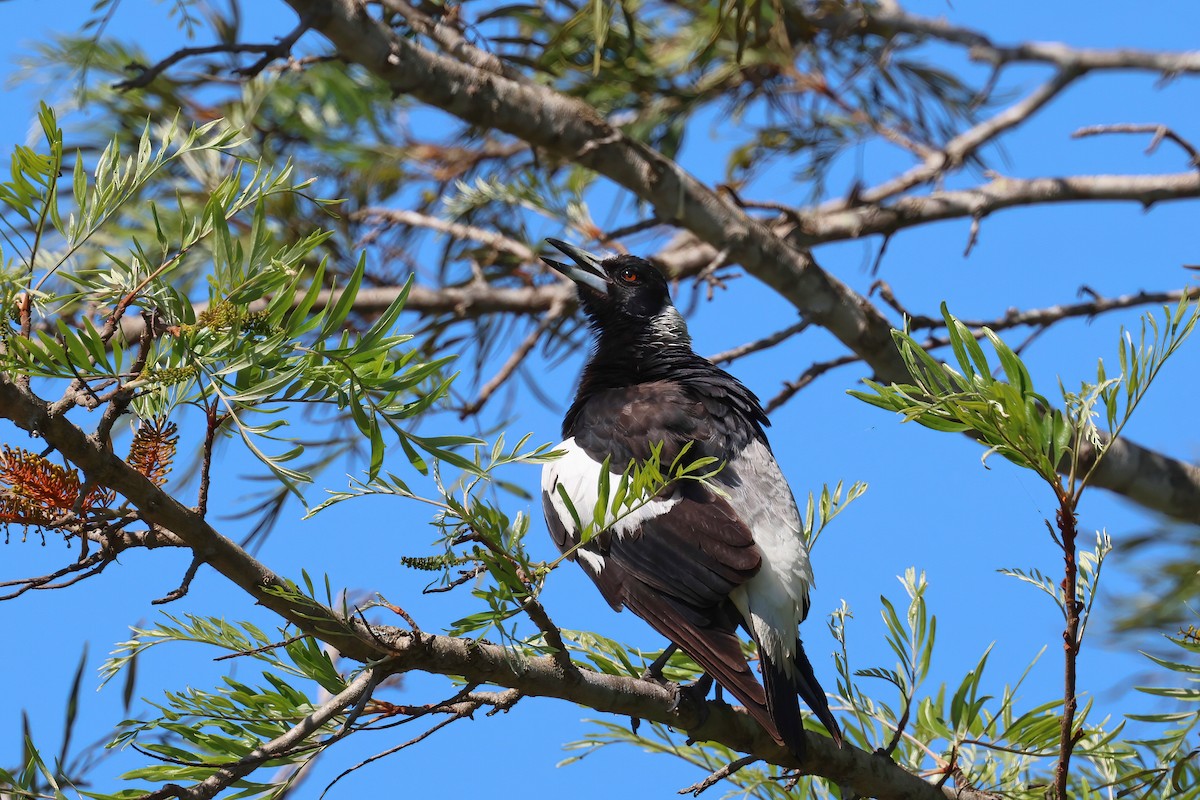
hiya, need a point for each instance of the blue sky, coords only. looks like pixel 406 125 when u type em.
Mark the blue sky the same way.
pixel 931 502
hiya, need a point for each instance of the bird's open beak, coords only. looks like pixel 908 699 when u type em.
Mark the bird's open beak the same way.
pixel 588 273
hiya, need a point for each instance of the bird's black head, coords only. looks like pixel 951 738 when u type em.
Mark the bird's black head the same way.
pixel 623 293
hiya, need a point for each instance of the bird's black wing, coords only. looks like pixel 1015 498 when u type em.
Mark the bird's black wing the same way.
pixel 675 571
pixel 677 564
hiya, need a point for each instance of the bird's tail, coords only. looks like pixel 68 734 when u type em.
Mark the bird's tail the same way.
pixel 783 686
pixel 718 651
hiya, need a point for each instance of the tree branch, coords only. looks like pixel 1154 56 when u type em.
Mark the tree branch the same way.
pixel 869 774
pixel 1071 641
pixel 570 128
pixel 773 339
pixel 829 225
pixel 1041 317
pixel 146 74
pixel 102 467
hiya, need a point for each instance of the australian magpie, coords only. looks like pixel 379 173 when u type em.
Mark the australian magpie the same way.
pixel 696 561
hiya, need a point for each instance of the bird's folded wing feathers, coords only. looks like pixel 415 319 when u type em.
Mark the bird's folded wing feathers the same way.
pixel 675 571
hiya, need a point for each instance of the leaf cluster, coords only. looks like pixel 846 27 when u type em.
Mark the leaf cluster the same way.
pixel 194 730
pixel 1001 408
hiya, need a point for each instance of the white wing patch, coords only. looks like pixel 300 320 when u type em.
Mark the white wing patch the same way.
pixel 579 475
pixel 775 599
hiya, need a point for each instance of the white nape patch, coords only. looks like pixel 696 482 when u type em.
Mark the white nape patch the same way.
pixel 774 599
pixel 579 474
pixel 669 327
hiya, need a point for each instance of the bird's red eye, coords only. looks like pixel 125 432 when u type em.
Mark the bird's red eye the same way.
pixel 629 275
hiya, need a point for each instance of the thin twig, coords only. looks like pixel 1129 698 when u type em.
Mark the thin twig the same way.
pixel 457 230
pixel 888 20
pixel 265 648
pixel 1160 132
pixel 458 709
pixel 553 636
pixel 283 49
pixel 973 235
pixel 901 724
pixel 630 229
pixel 514 360
pixel 884 289
pixel 184 585
pixel 724 772
pixel 1040 317
pixel 85 568
pixel 464 575
pixel 735 353
pixel 531 606
pixel 956 151
pixel 400 612
pixel 213 419
pixel 146 74
pixel 791 388
pixel 392 750
pixel 123 396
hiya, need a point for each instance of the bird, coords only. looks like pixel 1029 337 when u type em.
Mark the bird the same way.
pixel 701 559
